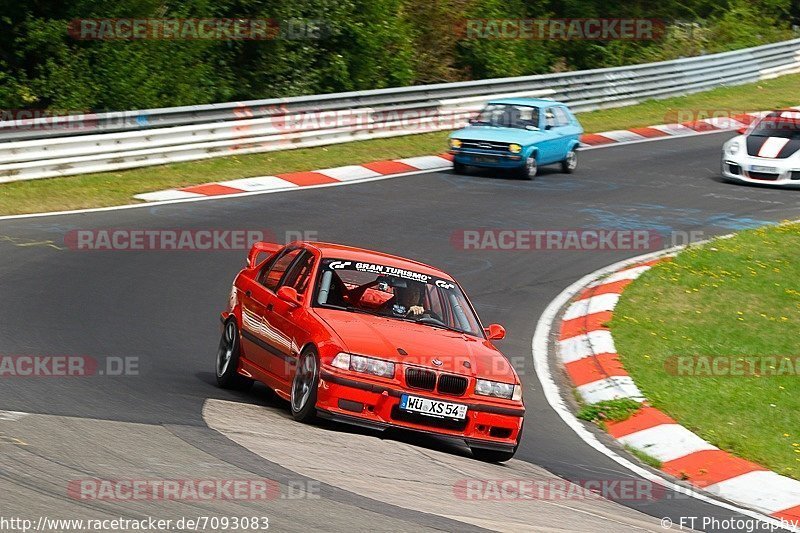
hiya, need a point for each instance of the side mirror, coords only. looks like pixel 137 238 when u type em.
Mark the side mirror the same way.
pixel 495 332
pixel 741 131
pixel 549 127
pixel 289 295
pixel 261 248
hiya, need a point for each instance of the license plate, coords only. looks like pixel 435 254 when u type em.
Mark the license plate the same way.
pixel 428 407
pixel 484 159
pixel 766 170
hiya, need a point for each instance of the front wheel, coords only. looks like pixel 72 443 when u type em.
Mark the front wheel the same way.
pixel 304 386
pixel 459 168
pixel 529 169
pixel 228 360
pixel 569 164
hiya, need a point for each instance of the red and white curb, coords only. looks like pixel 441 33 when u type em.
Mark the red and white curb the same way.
pixel 294 180
pixel 398 167
pixel 586 349
pixel 662 131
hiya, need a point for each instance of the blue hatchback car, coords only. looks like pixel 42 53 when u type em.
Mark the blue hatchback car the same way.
pixel 520 134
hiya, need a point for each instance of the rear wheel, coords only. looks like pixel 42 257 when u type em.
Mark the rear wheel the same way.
pixel 304 386
pixel 529 169
pixel 459 168
pixel 228 360
pixel 569 164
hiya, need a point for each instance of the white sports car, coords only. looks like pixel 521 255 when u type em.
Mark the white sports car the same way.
pixel 766 152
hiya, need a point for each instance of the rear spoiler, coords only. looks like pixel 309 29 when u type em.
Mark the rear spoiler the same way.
pixel 261 248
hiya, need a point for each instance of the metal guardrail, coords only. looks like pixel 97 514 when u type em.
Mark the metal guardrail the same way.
pixel 62 146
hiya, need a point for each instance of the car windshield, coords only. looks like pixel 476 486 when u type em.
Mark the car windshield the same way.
pixel 509 116
pixel 381 290
pixel 785 125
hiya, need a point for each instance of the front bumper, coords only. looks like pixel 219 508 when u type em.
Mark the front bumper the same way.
pixel 366 403
pixel 751 169
pixel 487 159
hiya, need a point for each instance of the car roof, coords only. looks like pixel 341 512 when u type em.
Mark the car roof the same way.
pixel 537 102
pixel 352 253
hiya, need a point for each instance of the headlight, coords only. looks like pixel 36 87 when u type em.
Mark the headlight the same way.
pixel 732 148
pixel 484 387
pixel 455 143
pixel 514 148
pixel 364 365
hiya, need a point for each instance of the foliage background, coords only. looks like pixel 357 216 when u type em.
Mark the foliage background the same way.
pixel 372 44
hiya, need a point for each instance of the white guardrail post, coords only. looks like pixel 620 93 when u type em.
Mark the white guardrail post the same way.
pixel 63 146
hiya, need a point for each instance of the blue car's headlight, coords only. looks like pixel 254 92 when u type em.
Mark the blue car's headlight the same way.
pixel 514 148
pixel 455 143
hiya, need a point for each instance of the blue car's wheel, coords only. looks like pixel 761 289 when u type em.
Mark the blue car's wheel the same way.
pixel 459 168
pixel 529 169
pixel 569 164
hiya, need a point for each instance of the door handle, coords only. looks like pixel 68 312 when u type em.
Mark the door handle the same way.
pixel 247 293
pixel 269 307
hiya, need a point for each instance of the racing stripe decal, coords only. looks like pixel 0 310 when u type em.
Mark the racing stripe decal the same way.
pixel 791 147
pixel 772 147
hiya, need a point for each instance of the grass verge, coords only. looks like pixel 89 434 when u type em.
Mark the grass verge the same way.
pixel 644 457
pixel 711 339
pixel 117 188
pixel 609 411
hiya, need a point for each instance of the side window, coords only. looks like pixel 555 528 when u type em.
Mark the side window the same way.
pixel 549 117
pixel 562 117
pixel 300 273
pixel 270 277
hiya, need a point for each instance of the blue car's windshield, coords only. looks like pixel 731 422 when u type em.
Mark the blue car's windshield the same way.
pixel 509 116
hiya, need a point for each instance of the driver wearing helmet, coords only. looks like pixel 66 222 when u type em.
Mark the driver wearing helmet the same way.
pixel 407 301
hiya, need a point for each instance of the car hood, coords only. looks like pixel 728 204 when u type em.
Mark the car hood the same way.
pixel 386 338
pixel 498 134
pixel 772 147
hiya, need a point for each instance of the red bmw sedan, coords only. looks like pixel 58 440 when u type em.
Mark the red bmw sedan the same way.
pixel 371 339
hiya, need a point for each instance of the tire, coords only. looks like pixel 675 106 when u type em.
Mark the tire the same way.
pixel 569 164
pixel 459 168
pixel 304 386
pixel 227 361
pixel 492 456
pixel 529 169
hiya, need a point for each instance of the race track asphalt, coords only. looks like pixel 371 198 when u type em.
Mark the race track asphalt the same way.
pixel 163 307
